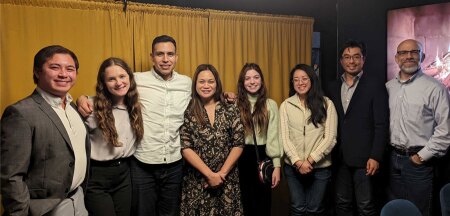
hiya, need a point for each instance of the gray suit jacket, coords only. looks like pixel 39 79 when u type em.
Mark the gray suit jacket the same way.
pixel 37 159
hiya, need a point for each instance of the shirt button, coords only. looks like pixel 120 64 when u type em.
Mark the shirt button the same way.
pixel 71 164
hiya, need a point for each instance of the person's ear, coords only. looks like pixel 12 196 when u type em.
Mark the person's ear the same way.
pixel 36 74
pixel 422 57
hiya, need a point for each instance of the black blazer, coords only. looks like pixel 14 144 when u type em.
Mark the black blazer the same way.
pixel 36 158
pixel 363 129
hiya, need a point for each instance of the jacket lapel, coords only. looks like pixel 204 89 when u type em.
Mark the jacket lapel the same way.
pixel 356 94
pixel 337 92
pixel 48 110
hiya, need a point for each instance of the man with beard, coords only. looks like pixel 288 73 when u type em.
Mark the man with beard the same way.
pixel 419 126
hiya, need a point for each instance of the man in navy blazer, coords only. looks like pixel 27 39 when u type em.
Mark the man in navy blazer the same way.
pixel 363 122
pixel 44 144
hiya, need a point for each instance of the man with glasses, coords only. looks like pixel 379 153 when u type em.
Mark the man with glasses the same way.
pixel 361 102
pixel 420 125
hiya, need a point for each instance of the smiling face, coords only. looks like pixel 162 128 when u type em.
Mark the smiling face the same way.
pixel 164 59
pixel 117 82
pixel 409 56
pixel 57 75
pixel 252 81
pixel 352 60
pixel 301 82
pixel 206 85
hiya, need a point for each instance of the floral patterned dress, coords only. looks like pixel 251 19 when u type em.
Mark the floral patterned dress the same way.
pixel 213 144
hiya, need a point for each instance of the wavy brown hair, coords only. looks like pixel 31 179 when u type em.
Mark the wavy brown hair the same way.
pixel 196 106
pixel 260 114
pixel 103 104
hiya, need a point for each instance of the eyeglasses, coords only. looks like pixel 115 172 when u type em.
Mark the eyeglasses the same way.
pixel 301 80
pixel 406 52
pixel 354 57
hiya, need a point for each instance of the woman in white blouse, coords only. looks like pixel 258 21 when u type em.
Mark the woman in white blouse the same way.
pixel 115 127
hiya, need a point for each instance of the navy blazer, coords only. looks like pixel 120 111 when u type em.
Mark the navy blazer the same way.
pixel 37 159
pixel 363 129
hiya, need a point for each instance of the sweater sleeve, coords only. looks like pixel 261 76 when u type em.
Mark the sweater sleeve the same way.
pixel 329 136
pixel 273 147
pixel 288 146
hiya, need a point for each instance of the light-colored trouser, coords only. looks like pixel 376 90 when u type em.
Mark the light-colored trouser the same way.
pixel 71 206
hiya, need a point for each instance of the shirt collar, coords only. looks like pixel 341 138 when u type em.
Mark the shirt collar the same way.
pixel 157 76
pixel 54 101
pixel 120 107
pixel 252 98
pixel 355 78
pixel 412 78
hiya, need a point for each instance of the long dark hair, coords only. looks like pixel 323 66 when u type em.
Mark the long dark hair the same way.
pixel 196 106
pixel 103 104
pixel 314 98
pixel 260 114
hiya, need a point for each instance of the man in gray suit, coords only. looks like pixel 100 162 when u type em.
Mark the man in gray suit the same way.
pixel 44 144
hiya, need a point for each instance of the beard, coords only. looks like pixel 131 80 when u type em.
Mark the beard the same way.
pixel 410 70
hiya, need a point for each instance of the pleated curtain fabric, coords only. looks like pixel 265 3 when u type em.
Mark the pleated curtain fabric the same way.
pixel 96 30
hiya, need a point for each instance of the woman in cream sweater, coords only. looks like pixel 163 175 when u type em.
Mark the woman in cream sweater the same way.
pixel 308 125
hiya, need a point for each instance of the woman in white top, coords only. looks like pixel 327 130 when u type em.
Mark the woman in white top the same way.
pixel 115 127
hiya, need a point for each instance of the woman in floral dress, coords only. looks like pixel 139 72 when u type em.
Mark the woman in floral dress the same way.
pixel 212 138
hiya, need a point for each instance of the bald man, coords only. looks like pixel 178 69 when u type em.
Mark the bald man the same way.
pixel 419 126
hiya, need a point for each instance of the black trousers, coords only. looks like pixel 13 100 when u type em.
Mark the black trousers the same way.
pixel 109 189
pixel 255 196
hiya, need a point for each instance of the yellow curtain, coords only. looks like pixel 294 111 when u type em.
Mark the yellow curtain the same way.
pixel 275 43
pixel 96 30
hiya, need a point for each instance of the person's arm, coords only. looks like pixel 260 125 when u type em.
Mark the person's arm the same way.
pixel 231 160
pixel 439 142
pixel 288 146
pixel 329 136
pixel 237 138
pixel 85 106
pixel 213 179
pixel 16 147
pixel 274 149
pixel 91 121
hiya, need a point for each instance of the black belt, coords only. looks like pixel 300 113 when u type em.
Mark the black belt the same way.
pixel 109 163
pixel 406 151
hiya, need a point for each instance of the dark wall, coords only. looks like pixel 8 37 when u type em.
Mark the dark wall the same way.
pixel 337 20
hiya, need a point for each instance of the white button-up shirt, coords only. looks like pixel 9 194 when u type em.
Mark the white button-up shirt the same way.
pixel 163 105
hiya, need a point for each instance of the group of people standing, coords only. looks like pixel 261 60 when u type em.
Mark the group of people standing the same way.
pixel 157 143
